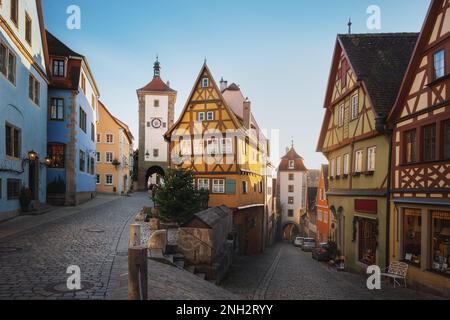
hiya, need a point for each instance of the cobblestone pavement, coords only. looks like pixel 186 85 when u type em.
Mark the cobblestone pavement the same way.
pixel 284 272
pixel 34 261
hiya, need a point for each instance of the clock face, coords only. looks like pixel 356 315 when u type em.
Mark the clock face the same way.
pixel 156 123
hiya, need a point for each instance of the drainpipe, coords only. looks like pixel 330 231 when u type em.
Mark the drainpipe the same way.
pixel 388 197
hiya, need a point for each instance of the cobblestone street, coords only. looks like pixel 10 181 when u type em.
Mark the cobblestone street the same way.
pixel 34 261
pixel 284 272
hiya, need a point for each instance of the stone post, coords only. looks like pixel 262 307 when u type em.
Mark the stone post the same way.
pixel 137 273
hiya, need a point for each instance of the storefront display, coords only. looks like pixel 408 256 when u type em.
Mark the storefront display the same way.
pixel 367 241
pixel 412 236
pixel 441 241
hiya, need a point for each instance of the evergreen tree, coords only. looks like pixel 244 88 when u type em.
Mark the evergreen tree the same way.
pixel 177 199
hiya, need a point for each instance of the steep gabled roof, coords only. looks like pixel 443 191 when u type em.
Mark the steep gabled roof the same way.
pixel 380 61
pixel 157 85
pixel 118 122
pixel 57 48
pixel 415 60
pixel 292 155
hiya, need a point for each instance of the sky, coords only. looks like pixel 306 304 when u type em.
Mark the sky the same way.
pixel 278 52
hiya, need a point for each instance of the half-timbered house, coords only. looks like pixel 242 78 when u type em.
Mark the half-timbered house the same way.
pixel 218 138
pixel 366 73
pixel 420 209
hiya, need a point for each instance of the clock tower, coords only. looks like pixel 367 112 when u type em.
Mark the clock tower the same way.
pixel 156 116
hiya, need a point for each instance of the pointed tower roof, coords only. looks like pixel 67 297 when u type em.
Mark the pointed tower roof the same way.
pixel 292 155
pixel 157 84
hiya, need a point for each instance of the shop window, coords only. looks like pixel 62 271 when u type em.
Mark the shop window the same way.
pixel 412 236
pixel 441 241
pixel 367 242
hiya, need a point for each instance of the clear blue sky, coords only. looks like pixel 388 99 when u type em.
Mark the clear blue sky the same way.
pixel 279 52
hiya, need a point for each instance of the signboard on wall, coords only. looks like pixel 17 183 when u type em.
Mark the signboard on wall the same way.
pixel 366 206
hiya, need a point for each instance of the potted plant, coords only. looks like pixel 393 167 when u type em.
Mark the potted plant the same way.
pixel 115 163
pixel 25 199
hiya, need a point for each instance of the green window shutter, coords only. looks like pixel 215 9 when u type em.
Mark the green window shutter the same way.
pixel 231 187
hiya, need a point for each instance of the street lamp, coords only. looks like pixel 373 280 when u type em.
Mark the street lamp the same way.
pixel 48 161
pixel 32 155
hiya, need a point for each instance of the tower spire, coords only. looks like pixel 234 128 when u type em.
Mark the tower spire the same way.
pixel 349 24
pixel 157 67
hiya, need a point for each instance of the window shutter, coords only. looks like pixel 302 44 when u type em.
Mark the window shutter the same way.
pixel 231 187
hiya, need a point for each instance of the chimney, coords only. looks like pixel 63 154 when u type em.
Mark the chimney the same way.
pixel 223 85
pixel 168 84
pixel 247 114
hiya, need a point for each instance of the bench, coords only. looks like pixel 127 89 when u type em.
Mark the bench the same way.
pixel 398 272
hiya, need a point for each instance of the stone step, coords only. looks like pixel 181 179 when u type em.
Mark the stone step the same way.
pixel 191 269
pixel 179 263
pixel 178 257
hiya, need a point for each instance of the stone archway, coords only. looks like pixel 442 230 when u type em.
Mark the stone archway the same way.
pixel 154 175
pixel 338 228
pixel 290 231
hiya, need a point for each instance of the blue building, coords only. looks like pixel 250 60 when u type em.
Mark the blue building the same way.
pixel 72 119
pixel 23 105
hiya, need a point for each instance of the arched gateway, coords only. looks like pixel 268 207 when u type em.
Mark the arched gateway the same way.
pixel 154 175
pixel 290 231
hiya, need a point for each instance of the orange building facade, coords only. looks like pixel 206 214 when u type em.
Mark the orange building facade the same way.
pixel 323 211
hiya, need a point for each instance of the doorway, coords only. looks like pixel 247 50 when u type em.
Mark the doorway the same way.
pixel 33 179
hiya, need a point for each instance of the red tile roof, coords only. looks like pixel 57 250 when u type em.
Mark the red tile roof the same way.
pixel 157 85
pixel 292 155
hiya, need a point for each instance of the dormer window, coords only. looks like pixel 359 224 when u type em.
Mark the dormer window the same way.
pixel 291 164
pixel 58 68
pixel 439 64
pixel 205 83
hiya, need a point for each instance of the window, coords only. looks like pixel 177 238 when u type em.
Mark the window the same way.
pixel 291 177
pixel 446 139
pixel 98 157
pixel 341 116
pixel 205 83
pixel 254 187
pixel 344 74
pixel 34 89
pixel 98 179
pixel 156 103
pixel 412 236
pixel 83 83
pixel 13 141
pixel 411 146
pixel 244 187
pixel 83 120
pixel 332 168
pixel 290 213
pixel 371 159
pixel 56 109
pixel 56 153
pixel 210 116
pixel 92 161
pixel 28 28
pixel 13 188
pixel 291 189
pixel 59 68
pixel 429 143
pixel 439 64
pixel 201 116
pixel 227 146
pixel 346 164
pixel 82 161
pixel 109 179
pixel 441 241
pixel 11 68
pixel 367 242
pixel 212 146
pixel 109 138
pixel 199 147
pixel 14 14
pixel 261 187
pixel 99 138
pixel 355 107
pixel 92 132
pixel 291 164
pixel 155 153
pixel 291 200
pixel 109 157
pixel 338 166
pixel 218 186
pixel 359 161
pixel 93 102
pixel 185 147
pixel 203 184
pixel 3 59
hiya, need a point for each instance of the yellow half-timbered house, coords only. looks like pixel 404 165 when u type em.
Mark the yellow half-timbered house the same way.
pixel 218 138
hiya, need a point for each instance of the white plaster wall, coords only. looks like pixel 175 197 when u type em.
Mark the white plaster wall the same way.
pixel 154 137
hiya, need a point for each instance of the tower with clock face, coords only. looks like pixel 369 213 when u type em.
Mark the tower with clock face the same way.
pixel 156 115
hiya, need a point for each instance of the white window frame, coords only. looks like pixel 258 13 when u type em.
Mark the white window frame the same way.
pixel 98 179
pixel 244 187
pixel 371 159
pixel 210 116
pixel 359 161
pixel 106 138
pixel 205 83
pixel 226 146
pixel 338 166
pixel 218 186
pixel 291 164
pixel 213 146
pixel 186 147
pixel 346 164
pixel 98 157
pixel 9 52
pixel 99 138
pixel 201 117
pixel 332 168
pixel 106 157
pixel 355 106
pixel 341 116
pixel 106 179
pixel 203 184
pixel 199 147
